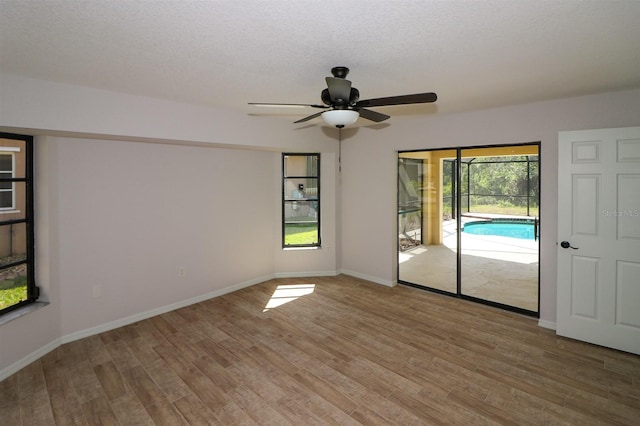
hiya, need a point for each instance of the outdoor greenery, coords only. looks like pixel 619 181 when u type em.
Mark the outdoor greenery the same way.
pixel 507 185
pixel 12 291
pixel 301 234
pixel 495 185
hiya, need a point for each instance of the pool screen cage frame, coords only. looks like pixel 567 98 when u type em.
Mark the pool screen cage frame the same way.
pixel 532 191
pixel 413 204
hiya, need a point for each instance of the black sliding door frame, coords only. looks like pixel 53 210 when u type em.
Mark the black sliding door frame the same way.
pixel 457 194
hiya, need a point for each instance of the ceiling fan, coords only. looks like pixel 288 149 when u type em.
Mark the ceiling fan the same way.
pixel 343 105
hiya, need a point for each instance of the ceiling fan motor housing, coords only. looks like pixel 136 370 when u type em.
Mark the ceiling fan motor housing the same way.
pixel 354 96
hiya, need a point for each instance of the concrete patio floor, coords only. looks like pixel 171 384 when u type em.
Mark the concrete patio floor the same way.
pixel 499 269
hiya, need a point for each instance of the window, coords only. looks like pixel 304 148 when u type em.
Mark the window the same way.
pixel 17 284
pixel 301 200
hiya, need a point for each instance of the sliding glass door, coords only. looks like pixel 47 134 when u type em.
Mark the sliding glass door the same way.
pixel 468 223
pixel 499 238
pixel 427 242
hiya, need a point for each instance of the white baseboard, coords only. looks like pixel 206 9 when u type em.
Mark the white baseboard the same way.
pixel 547 324
pixel 33 356
pixel 159 311
pixel 306 274
pixel 81 334
pixel 368 278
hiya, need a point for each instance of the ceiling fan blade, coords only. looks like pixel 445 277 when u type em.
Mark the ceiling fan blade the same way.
pixel 276 105
pixel 310 117
pixel 418 98
pixel 372 115
pixel 339 88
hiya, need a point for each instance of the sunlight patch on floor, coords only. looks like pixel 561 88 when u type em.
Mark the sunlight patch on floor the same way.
pixel 404 256
pixel 288 293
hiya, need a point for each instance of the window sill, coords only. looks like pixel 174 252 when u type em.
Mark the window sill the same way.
pixel 301 248
pixel 20 312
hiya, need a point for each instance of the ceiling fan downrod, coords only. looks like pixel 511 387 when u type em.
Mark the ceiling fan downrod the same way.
pixel 340 72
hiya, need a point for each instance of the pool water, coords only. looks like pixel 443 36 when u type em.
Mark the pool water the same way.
pixel 522 230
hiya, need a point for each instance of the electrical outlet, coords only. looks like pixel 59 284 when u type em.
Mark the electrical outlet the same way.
pixel 97 291
pixel 181 271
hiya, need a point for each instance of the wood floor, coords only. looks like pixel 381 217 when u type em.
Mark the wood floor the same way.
pixel 345 352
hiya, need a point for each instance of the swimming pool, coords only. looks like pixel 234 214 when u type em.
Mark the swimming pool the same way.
pixel 523 228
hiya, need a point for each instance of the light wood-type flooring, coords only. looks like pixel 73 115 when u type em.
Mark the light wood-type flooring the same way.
pixel 318 351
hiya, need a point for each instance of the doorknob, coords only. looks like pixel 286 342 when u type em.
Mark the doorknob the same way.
pixel 567 244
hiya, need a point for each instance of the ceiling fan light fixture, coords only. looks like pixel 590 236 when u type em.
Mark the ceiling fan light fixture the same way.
pixel 340 117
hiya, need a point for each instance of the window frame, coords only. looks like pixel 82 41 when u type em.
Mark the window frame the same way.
pixel 286 200
pixel 28 219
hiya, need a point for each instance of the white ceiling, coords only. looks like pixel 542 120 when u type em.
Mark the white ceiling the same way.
pixel 225 53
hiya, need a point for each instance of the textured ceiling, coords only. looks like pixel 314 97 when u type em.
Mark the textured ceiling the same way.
pixel 225 53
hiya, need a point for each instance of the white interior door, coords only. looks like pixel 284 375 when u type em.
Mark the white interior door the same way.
pixel 599 237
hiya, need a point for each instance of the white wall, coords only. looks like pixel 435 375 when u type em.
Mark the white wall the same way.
pixel 132 213
pixel 130 188
pixel 52 108
pixel 118 218
pixel 369 171
pixel 124 215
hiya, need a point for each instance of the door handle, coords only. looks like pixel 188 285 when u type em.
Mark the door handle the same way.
pixel 567 244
